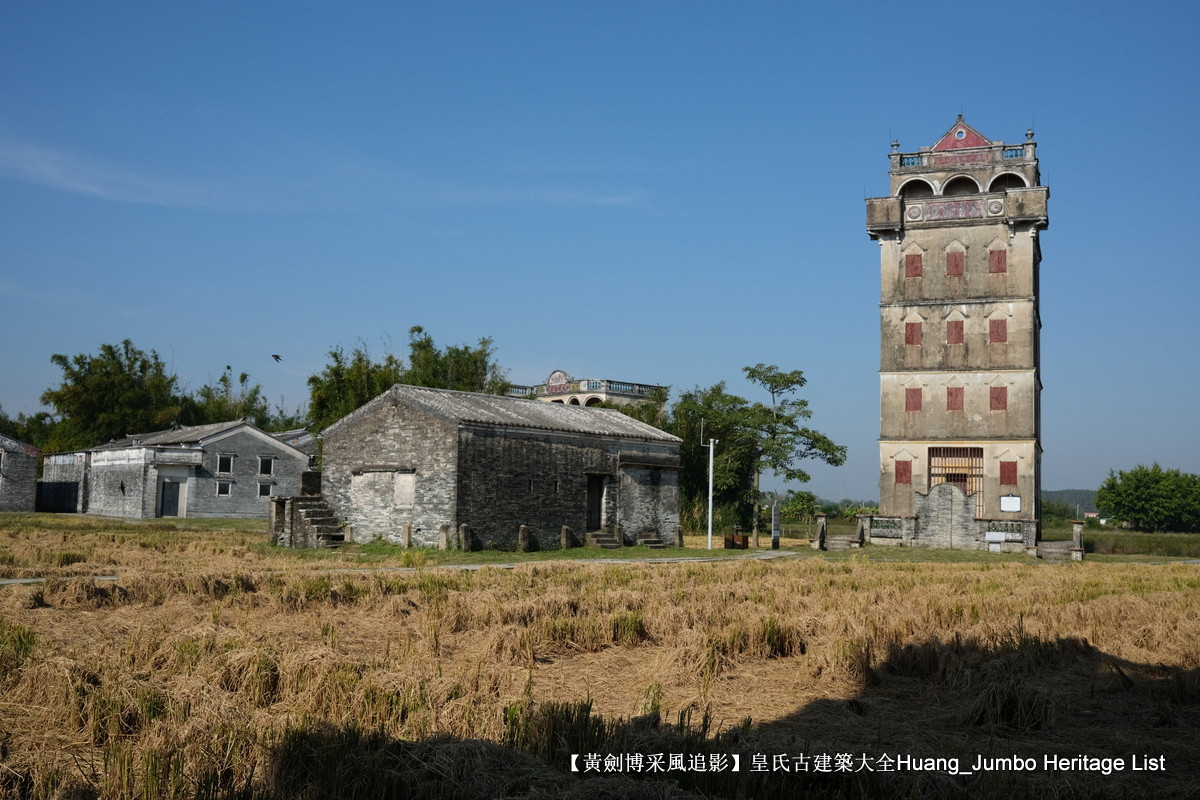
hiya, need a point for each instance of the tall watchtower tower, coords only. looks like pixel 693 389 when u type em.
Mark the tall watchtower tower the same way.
pixel 959 377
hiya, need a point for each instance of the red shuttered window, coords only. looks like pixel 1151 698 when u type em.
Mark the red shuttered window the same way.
pixel 904 472
pixel 912 333
pixel 954 398
pixel 912 399
pixel 998 331
pixel 954 263
pixel 954 331
pixel 1008 473
pixel 912 266
pixel 997 261
pixel 999 398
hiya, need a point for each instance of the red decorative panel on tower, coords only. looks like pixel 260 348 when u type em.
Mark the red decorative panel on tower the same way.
pixel 904 472
pixel 1008 473
pixel 999 398
pixel 954 263
pixel 912 265
pixel 912 333
pixel 997 261
pixel 954 331
pixel 912 399
pixel 954 398
pixel 998 331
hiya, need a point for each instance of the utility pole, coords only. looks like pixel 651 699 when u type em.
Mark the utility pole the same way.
pixel 711 444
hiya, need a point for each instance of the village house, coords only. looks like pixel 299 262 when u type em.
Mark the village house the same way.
pixel 427 458
pixel 18 475
pixel 228 469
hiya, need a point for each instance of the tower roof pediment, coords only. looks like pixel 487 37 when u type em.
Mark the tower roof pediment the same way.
pixel 961 135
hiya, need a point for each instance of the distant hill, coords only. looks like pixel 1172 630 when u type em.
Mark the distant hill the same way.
pixel 1084 498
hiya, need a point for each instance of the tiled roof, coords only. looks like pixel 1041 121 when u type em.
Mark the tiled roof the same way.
pixel 184 434
pixel 514 412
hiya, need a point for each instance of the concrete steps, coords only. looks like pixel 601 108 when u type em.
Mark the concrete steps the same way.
pixel 320 519
pixel 603 540
pixel 653 543
pixel 1055 551
pixel 840 542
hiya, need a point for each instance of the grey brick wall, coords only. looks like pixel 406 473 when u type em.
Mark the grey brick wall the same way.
pixel 243 501
pixel 361 458
pixel 18 481
pixel 649 498
pixel 509 478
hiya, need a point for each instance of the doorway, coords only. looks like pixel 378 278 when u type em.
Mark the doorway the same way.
pixel 170 499
pixel 595 501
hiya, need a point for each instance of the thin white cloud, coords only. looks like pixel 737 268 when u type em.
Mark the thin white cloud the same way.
pixel 64 170
pixel 317 183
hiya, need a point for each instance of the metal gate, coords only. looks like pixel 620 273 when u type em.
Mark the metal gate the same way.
pixel 962 466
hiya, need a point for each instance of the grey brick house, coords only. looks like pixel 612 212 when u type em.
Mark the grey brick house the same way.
pixel 432 457
pixel 228 469
pixel 18 475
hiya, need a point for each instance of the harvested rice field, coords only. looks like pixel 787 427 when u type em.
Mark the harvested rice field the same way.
pixel 211 666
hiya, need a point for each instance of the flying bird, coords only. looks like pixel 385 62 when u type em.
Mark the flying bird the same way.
pixel 277 358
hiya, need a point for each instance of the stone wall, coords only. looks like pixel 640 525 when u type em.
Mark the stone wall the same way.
pixel 18 480
pixel 64 483
pixel 363 459
pixel 509 478
pixel 649 497
pixel 120 490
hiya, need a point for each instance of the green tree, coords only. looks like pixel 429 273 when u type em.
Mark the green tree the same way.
pixel 34 429
pixel 461 367
pixel 225 400
pixel 119 391
pixel 697 417
pixel 349 382
pixel 1152 499
pixel 779 442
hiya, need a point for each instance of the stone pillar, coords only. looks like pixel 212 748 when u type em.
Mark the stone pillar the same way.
pixel 822 529
pixel 523 538
pixel 863 534
pixel 564 538
pixel 406 535
pixel 619 533
pixel 465 541
pixel 679 536
pixel 444 537
pixel 1076 540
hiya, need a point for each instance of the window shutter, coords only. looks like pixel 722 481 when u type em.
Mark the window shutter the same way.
pixel 954 398
pixel 1008 473
pixel 999 398
pixel 912 399
pixel 954 331
pixel 998 331
pixel 912 333
pixel 904 472
pixel 997 261
pixel 912 265
pixel 954 263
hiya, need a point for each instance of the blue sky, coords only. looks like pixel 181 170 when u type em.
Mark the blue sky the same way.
pixel 651 191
